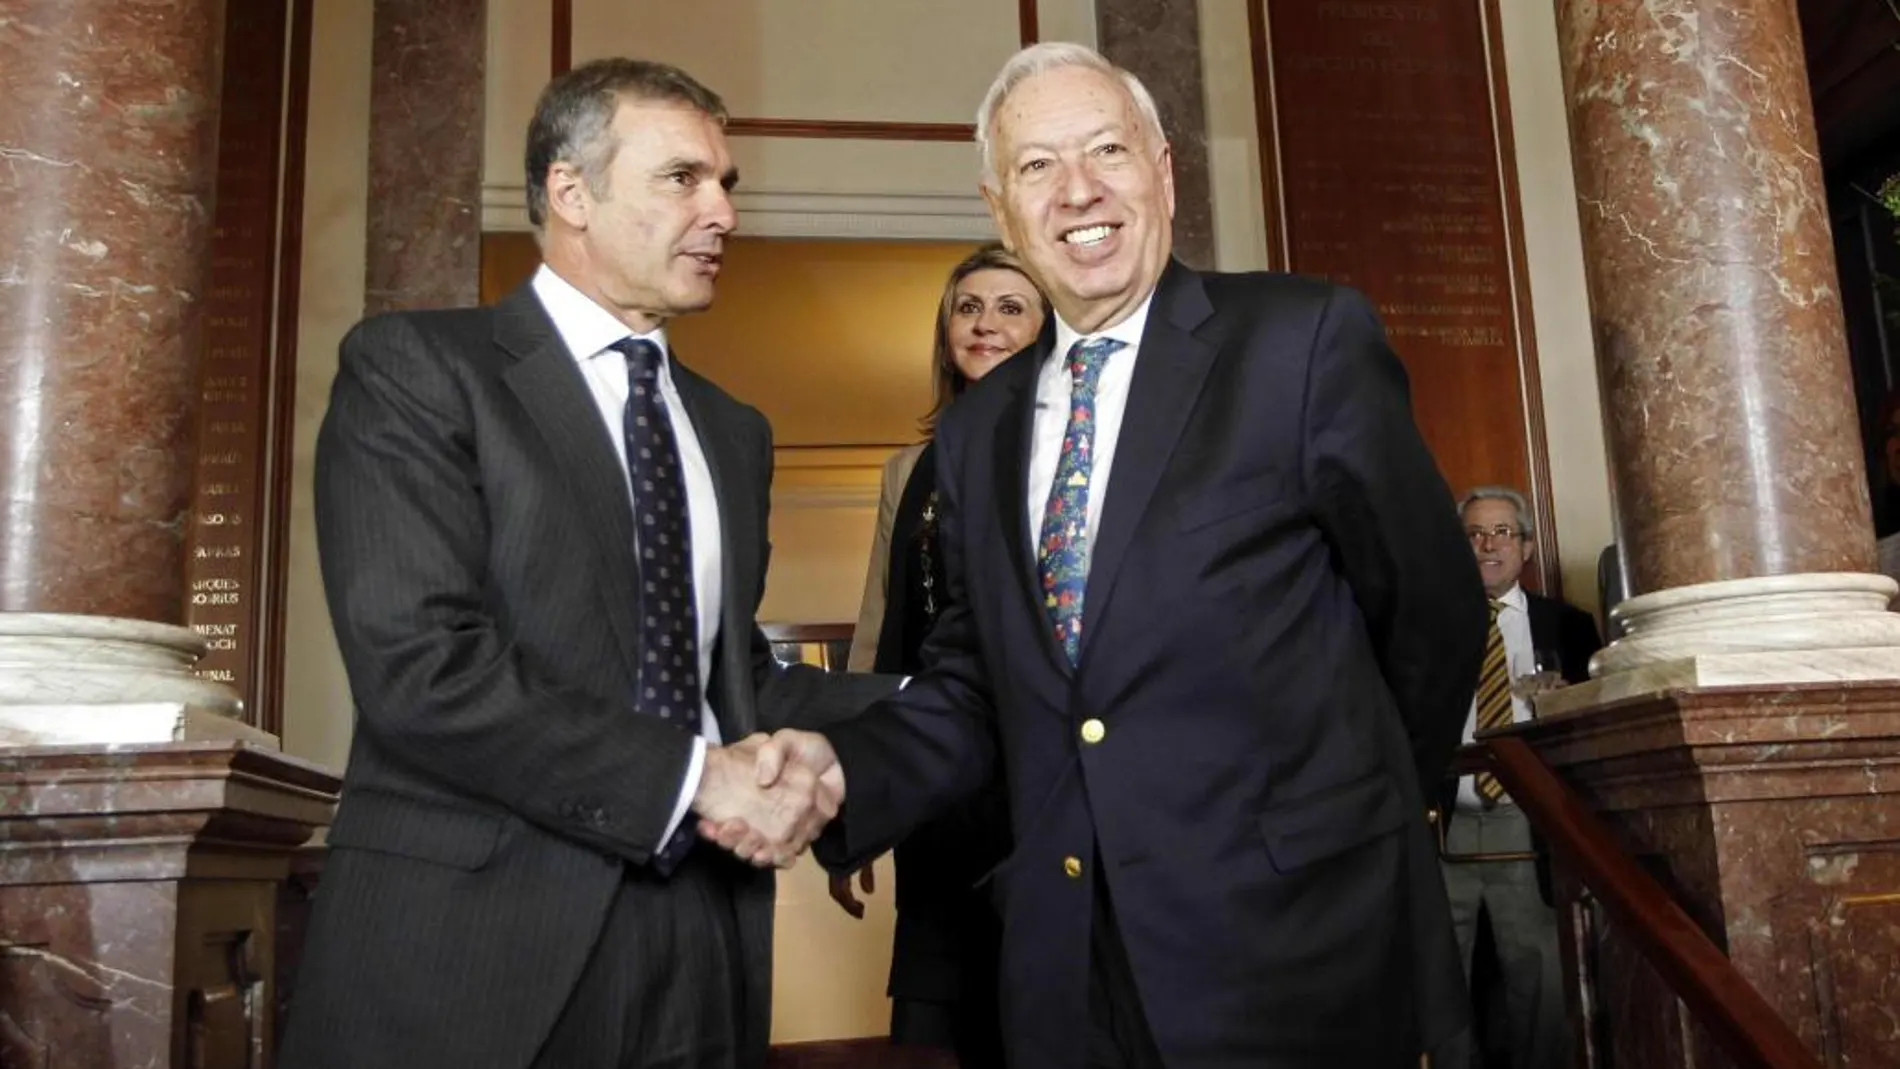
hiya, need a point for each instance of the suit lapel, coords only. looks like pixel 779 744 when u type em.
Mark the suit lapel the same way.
pixel 1170 368
pixel 730 465
pixel 550 387
pixel 1542 616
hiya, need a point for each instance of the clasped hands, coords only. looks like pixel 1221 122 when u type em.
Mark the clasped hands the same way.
pixel 766 797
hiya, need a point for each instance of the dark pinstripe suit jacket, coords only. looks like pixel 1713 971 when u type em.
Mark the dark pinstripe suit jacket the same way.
pixel 476 536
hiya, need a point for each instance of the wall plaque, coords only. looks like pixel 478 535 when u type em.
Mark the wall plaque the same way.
pixel 1388 128
pixel 240 371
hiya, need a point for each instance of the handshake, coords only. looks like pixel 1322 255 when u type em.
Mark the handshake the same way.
pixel 766 797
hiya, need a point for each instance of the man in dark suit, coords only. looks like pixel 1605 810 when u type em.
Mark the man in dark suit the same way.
pixel 1491 867
pixel 544 542
pixel 1210 612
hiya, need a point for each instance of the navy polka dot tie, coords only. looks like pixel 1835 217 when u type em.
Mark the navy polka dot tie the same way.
pixel 663 545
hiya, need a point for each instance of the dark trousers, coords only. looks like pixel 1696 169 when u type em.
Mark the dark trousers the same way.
pixel 1118 1029
pixel 664 987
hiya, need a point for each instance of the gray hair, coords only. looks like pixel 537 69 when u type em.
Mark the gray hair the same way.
pixel 573 120
pixel 1526 526
pixel 1040 59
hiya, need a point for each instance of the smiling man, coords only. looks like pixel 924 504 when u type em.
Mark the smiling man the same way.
pixel 1210 613
pixel 1533 643
pixel 543 541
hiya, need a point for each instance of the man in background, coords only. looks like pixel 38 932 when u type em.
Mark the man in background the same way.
pixel 1533 643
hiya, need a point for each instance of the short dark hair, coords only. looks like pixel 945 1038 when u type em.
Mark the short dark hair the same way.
pixel 574 118
pixel 948 382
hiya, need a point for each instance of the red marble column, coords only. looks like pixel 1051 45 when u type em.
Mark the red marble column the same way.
pixel 428 63
pixel 1160 41
pixel 1727 398
pixel 108 153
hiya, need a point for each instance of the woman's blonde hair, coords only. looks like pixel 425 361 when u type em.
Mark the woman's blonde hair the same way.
pixel 991 255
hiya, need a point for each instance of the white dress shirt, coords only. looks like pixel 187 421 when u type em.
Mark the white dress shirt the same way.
pixel 1520 659
pixel 588 330
pixel 1054 387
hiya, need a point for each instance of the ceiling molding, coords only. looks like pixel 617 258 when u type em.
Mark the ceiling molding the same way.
pixel 809 214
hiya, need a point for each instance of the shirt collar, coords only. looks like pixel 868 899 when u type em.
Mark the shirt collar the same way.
pixel 584 326
pixel 1514 598
pixel 1128 331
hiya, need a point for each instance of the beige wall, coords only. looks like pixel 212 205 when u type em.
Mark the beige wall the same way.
pixel 1233 138
pixel 1566 355
pixel 336 193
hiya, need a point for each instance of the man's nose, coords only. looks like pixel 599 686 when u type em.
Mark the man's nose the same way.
pixel 720 214
pixel 1080 186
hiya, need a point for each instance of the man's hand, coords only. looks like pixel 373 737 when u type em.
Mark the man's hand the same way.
pixel 763 820
pixel 790 749
pixel 791 765
pixel 847 901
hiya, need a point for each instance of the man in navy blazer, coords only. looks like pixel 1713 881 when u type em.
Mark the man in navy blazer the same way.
pixel 1212 614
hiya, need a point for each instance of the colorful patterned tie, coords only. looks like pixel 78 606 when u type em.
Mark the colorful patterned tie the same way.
pixel 669 625
pixel 1062 552
pixel 1494 702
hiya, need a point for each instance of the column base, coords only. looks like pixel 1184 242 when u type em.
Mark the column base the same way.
pixel 1813 628
pixel 72 680
pixel 1866 664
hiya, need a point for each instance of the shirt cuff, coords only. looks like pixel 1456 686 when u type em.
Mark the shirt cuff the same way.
pixel 688 789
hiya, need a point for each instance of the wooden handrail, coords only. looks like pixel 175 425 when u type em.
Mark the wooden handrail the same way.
pixel 789 632
pixel 1742 1023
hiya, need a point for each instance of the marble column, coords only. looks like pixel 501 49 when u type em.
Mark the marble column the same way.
pixel 108 148
pixel 428 61
pixel 109 154
pixel 1741 496
pixel 1160 41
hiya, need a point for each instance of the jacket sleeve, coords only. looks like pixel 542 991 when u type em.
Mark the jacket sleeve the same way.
pixel 1391 520
pixel 932 744
pixel 437 679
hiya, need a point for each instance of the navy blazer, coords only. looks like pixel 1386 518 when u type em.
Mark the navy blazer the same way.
pixel 1281 632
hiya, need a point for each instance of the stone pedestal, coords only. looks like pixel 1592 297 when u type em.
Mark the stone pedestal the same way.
pixel 1772 814
pixel 138 892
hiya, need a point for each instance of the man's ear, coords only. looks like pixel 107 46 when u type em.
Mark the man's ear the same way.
pixel 569 199
pixel 1167 175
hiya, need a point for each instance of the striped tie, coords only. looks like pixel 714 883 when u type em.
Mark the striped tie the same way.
pixel 1494 702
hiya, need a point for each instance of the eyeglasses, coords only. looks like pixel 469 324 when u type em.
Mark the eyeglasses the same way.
pixel 1499 533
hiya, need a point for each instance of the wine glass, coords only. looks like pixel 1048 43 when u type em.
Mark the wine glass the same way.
pixel 1546 674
